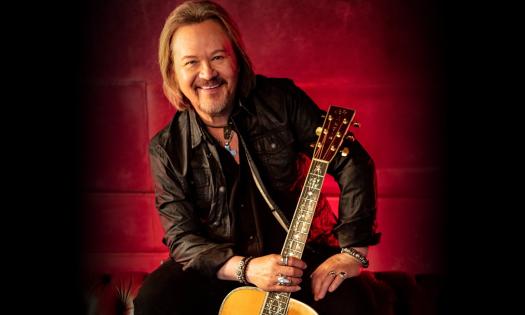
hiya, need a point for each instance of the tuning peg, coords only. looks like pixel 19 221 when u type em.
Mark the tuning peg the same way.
pixel 350 137
pixel 318 131
pixel 345 151
pixel 356 124
pixel 312 145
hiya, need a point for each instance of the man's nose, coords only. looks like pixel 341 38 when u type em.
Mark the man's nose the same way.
pixel 207 72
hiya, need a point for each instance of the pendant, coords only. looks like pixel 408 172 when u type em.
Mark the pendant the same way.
pixel 232 151
pixel 228 136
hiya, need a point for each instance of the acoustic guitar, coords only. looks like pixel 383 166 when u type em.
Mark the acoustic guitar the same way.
pixel 254 301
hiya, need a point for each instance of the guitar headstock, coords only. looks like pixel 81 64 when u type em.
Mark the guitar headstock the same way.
pixel 333 132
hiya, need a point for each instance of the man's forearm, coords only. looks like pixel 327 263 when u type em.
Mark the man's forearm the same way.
pixel 228 270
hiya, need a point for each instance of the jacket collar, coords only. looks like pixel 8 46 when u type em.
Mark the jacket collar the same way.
pixel 195 129
pixel 195 123
pixel 244 105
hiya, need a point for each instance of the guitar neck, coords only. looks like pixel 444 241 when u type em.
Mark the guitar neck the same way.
pixel 331 136
pixel 276 303
pixel 304 213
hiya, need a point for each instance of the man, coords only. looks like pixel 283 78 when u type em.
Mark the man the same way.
pixel 219 229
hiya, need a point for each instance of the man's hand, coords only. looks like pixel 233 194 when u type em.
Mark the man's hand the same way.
pixel 332 272
pixel 264 271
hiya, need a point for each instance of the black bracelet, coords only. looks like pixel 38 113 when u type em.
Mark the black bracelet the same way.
pixel 240 273
pixel 356 255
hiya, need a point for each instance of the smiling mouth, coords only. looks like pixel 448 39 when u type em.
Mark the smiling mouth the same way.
pixel 210 87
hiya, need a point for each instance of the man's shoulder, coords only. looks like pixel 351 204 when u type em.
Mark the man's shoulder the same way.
pixel 263 83
pixel 275 91
pixel 168 132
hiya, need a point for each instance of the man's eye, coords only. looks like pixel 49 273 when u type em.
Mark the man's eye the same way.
pixel 218 58
pixel 190 63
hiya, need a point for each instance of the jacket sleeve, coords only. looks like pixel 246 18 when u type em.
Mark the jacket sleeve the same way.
pixel 183 231
pixel 355 174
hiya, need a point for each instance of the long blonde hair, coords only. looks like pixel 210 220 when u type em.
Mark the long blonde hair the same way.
pixel 192 12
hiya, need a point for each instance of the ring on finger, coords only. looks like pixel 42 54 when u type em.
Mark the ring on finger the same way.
pixel 342 274
pixel 282 280
pixel 332 273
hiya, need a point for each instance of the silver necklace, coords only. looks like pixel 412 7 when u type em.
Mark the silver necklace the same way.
pixel 228 136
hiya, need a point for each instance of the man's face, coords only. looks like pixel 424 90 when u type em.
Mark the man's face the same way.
pixel 205 67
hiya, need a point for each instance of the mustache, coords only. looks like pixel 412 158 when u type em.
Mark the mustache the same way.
pixel 208 83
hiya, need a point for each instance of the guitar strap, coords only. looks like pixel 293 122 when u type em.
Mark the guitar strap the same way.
pixel 276 211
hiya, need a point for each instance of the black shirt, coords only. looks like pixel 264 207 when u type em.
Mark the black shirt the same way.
pixel 246 202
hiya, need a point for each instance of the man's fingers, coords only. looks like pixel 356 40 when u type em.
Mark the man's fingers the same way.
pixel 335 283
pixel 282 288
pixel 325 282
pixel 316 282
pixel 293 286
pixel 295 262
pixel 291 272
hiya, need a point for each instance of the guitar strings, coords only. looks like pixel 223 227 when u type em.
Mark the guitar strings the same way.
pixel 334 138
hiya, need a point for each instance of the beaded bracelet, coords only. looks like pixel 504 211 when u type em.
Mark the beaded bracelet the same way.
pixel 356 255
pixel 240 273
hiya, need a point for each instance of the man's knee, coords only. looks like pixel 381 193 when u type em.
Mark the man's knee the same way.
pixel 142 304
pixel 148 300
pixel 169 290
pixel 158 292
pixel 354 295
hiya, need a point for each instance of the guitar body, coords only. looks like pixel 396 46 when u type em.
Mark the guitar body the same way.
pixel 249 301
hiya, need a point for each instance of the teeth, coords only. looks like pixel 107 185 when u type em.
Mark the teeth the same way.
pixel 209 87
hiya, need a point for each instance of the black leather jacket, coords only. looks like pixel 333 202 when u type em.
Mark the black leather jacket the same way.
pixel 277 120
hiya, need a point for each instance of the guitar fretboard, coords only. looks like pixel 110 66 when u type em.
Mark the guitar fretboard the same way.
pixel 276 303
pixel 304 214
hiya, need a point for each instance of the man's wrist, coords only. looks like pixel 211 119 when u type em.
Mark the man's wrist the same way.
pixel 240 272
pixel 357 255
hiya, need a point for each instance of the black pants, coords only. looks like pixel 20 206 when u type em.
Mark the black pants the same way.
pixel 171 291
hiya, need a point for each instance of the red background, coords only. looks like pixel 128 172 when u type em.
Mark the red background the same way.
pixel 379 57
